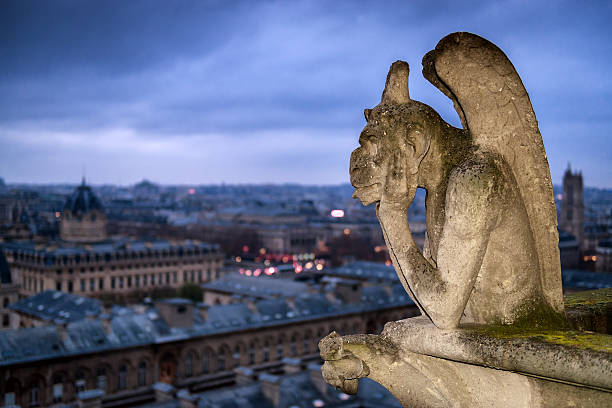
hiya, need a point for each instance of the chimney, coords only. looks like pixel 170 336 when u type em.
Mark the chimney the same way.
pixel 106 320
pixel 270 386
pixel 60 326
pixel 176 312
pixel 203 310
pixel 244 375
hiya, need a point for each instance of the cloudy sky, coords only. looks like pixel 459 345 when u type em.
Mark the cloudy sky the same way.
pixel 269 91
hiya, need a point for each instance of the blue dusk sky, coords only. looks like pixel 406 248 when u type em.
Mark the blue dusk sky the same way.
pixel 190 92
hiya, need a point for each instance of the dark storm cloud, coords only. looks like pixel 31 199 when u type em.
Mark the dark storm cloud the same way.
pixel 219 90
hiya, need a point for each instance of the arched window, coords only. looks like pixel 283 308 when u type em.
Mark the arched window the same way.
pixel 306 343
pixel 34 395
pixel 122 377
pixel 236 355
pixel 293 346
pixel 221 360
pixel 101 378
pixel 142 373
pixel 279 349
pixel 266 351
pixel 79 384
pixel 58 388
pixel 188 365
pixel 205 362
pixel 251 353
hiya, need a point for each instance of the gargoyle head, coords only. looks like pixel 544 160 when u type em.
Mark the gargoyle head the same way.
pixel 397 127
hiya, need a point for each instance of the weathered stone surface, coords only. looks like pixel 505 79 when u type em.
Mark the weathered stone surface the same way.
pixel 427 367
pixel 576 357
pixel 491 254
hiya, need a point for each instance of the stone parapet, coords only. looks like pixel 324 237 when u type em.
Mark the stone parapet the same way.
pixel 427 367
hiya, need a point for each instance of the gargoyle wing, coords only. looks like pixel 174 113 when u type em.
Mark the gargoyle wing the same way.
pixel 493 105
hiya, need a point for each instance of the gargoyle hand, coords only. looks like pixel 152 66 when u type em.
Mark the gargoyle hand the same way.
pixel 400 185
pixel 342 369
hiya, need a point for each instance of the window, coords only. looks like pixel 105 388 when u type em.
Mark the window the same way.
pixel 167 278
pixel 293 346
pixel 251 354
pixel 279 350
pixel 101 378
pixel 101 283
pixel 129 281
pixel 137 281
pixel 92 284
pixel 184 276
pixel 205 362
pixel 221 361
pixel 5 302
pixel 200 275
pixel 121 282
pixel 34 396
pixel 122 377
pixel 9 399
pixel 236 356
pixel 79 384
pixel 5 320
pixel 188 365
pixel 113 283
pixel 142 373
pixel 58 285
pixel 58 389
pixel 174 277
pixel 266 352
pixel 70 286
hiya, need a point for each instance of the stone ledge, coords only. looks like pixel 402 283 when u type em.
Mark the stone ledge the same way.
pixel 568 356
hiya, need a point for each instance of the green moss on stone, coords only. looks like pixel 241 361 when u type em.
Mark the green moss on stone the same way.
pixel 592 299
pixel 570 338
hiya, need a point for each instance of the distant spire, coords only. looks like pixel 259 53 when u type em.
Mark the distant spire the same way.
pixel 83 181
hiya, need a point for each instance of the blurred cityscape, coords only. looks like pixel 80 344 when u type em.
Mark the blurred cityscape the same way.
pixel 214 295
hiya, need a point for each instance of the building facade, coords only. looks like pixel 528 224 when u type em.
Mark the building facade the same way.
pixel 111 267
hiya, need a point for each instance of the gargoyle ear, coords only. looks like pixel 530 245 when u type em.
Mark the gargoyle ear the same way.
pixel 418 146
pixel 396 87
pixel 366 113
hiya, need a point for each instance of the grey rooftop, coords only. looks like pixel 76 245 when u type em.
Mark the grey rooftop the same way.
pixel 123 327
pixel 52 305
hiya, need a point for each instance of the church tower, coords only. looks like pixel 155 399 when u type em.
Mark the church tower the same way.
pixel 83 217
pixel 572 206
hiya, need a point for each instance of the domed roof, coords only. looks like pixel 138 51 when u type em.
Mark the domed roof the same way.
pixel 83 200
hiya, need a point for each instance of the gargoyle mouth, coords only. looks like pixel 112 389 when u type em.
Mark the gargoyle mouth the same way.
pixel 368 194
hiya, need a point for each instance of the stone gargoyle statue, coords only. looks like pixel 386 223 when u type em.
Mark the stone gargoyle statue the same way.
pixel 491 256
pixel 491 251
